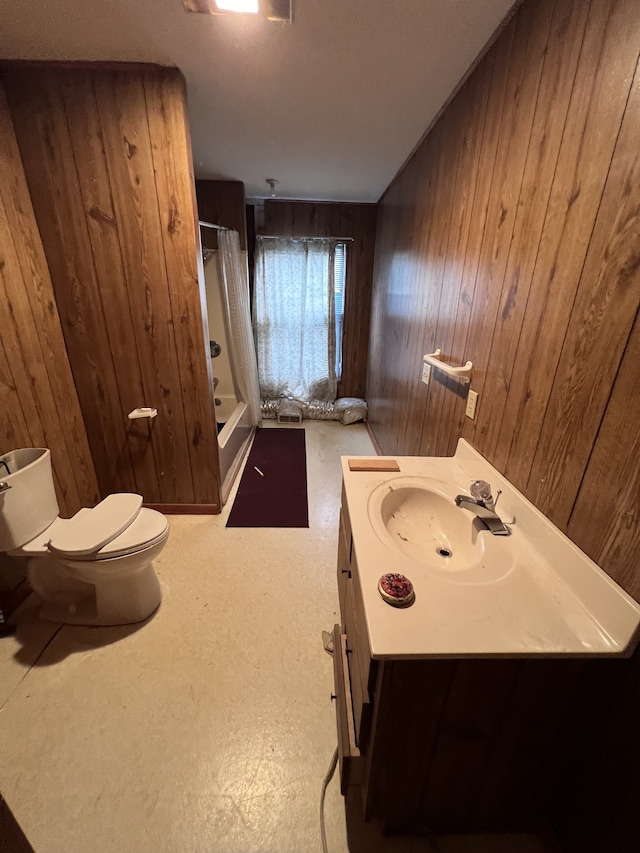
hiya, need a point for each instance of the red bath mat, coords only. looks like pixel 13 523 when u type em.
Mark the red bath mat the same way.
pixel 273 488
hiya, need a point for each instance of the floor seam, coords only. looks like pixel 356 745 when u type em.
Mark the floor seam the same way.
pixel 35 661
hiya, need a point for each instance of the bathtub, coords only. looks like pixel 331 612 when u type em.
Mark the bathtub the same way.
pixel 233 439
pixel 226 404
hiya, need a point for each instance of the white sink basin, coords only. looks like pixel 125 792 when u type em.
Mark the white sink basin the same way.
pixel 418 517
pixel 532 593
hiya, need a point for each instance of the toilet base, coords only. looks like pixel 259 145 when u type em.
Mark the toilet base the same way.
pixel 84 613
pixel 123 600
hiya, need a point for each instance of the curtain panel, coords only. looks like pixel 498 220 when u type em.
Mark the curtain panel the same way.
pixel 233 268
pixel 294 318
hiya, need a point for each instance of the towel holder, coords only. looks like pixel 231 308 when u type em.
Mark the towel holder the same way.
pixel 462 374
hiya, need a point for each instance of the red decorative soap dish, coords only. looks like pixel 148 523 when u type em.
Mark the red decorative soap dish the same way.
pixel 396 590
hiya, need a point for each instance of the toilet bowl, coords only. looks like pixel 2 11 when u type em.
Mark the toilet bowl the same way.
pixel 93 569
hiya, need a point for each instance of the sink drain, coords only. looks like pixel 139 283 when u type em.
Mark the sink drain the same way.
pixel 445 552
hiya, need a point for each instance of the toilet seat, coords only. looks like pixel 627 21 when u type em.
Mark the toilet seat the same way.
pixel 148 528
pixel 107 531
pixel 89 532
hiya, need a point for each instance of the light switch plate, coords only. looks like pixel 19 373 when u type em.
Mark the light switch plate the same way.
pixel 426 373
pixel 472 402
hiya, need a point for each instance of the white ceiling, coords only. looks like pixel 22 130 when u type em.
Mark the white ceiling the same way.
pixel 331 105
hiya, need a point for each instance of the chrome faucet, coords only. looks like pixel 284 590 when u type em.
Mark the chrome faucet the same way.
pixel 481 502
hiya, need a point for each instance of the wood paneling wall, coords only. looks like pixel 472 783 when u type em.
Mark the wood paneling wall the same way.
pixel 108 161
pixel 222 203
pixel 334 219
pixel 38 401
pixel 511 238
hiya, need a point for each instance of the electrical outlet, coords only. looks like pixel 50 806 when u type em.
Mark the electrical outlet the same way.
pixel 426 373
pixel 472 402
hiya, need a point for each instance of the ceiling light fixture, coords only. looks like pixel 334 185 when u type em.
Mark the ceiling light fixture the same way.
pixel 272 184
pixel 278 11
pixel 243 6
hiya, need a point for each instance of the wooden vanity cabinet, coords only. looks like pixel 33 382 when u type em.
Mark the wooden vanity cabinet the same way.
pixel 448 744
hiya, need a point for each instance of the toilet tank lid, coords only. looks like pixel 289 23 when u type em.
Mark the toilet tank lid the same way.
pixel 91 531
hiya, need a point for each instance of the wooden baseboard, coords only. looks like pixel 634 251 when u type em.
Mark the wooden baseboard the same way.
pixel 374 440
pixel 185 509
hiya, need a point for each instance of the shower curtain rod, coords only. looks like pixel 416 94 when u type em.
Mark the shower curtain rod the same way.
pixel 308 239
pixel 210 225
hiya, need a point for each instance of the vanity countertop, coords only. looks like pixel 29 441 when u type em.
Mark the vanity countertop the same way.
pixel 532 593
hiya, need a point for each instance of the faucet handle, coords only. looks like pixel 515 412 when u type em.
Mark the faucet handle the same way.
pixel 481 491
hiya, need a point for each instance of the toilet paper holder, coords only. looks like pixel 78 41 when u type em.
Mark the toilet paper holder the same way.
pixel 143 412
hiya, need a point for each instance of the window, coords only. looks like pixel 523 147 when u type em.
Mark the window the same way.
pixel 298 313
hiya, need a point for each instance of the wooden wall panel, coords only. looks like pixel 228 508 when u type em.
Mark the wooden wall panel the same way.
pixel 471 110
pixel 601 89
pixel 510 239
pixel 556 86
pixel 432 243
pixel 126 135
pixel 530 40
pixel 222 203
pixel 108 162
pixel 168 123
pixel 604 308
pixel 328 219
pixel 129 461
pixel 605 519
pixel 37 394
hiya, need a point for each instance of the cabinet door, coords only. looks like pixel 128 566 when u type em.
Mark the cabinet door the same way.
pixel 343 569
pixel 349 757
pixel 361 666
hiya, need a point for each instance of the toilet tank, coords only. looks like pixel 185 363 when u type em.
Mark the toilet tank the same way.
pixel 28 503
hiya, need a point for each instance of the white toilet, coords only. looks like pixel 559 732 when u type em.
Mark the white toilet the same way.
pixel 93 569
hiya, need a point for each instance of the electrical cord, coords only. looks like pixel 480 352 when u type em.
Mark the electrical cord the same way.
pixel 327 779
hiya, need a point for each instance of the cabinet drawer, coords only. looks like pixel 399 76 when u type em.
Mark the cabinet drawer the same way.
pixel 349 756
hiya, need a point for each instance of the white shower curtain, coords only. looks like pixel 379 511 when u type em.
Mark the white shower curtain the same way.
pixel 236 289
pixel 294 318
